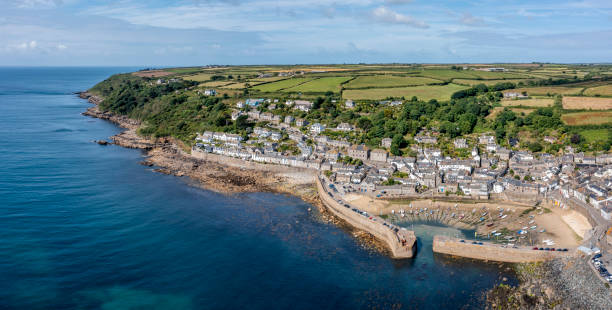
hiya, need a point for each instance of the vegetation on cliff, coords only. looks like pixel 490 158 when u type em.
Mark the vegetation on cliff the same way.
pixel 176 106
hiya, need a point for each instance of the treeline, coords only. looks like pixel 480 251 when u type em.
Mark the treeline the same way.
pixel 482 89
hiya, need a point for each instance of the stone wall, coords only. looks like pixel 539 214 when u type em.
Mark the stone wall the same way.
pixel 492 252
pixel 376 228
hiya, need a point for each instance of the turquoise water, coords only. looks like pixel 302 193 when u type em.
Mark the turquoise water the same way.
pixel 83 226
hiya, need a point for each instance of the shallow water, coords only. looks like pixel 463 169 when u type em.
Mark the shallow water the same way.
pixel 83 226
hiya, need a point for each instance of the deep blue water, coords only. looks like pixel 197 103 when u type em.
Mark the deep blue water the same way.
pixel 83 226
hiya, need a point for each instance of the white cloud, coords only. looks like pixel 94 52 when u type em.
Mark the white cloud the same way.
pixel 530 14
pixel 34 4
pixel 61 47
pixel 385 15
pixel 471 20
pixel 173 50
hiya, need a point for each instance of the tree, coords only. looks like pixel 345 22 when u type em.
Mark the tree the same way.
pixel 317 103
pixel 397 143
pixel 242 122
pixel 535 147
pixel 576 139
pixel 364 123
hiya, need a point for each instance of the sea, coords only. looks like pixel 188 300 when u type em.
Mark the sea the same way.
pixel 84 226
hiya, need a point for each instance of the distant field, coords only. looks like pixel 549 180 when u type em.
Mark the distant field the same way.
pixel 553 90
pixel 422 92
pixel 389 81
pixel 258 81
pixel 595 135
pixel 152 73
pixel 487 82
pixel 216 83
pixel 276 86
pixel 184 70
pixel 320 85
pixel 605 90
pixel 234 86
pixel 200 77
pixel 538 103
pixel 447 75
pixel 587 118
pixel 579 103
pixel 486 75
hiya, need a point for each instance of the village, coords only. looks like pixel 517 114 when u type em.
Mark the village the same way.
pixel 490 173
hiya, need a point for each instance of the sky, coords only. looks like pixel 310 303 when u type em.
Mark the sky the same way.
pixel 200 32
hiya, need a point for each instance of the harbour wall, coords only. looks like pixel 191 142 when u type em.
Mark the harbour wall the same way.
pixel 492 252
pixel 391 238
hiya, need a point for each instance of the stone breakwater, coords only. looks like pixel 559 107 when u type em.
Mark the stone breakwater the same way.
pixel 402 244
pixel 493 252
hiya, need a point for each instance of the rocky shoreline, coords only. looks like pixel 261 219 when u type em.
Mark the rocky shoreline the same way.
pixel 167 156
pixel 563 283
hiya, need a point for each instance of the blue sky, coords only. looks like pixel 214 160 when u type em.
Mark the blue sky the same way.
pixel 199 32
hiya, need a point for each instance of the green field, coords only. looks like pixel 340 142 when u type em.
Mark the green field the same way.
pixel 200 77
pixel 215 83
pixel 487 82
pixel 258 81
pixel 595 135
pixel 320 85
pixel 389 81
pixel 447 75
pixel 276 86
pixel 486 75
pixel 422 92
pixel 235 86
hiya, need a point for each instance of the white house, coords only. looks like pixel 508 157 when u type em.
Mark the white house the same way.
pixel 317 128
pixel 345 127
